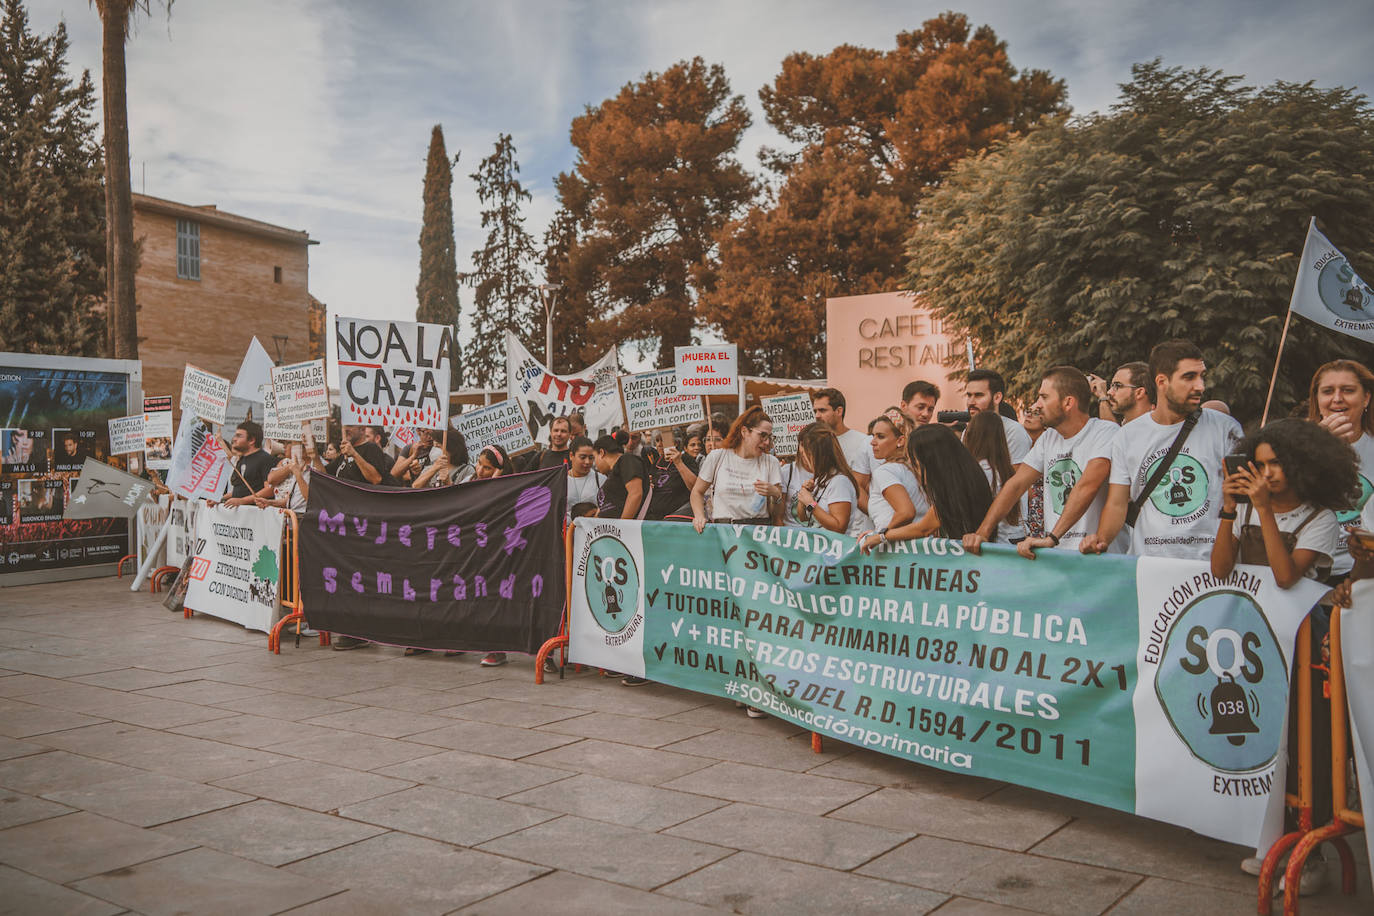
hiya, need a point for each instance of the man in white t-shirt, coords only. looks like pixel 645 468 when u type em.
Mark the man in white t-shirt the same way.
pixel 985 390
pixel 858 449
pixel 1179 517
pixel 1072 455
pixel 1130 394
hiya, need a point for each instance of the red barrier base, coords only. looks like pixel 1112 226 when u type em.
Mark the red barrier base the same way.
pixel 119 567
pixel 274 637
pixel 544 651
pixel 159 577
pixel 1292 877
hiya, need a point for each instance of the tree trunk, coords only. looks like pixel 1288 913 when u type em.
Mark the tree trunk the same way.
pixel 119 205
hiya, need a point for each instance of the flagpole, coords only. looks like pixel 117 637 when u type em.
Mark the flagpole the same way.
pixel 1283 338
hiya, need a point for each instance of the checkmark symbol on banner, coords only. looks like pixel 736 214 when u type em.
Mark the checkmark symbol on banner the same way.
pixel 651 596
pixel 677 626
pixel 667 573
pixel 658 650
pixel 726 554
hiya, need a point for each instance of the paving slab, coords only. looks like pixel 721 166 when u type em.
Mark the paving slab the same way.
pixel 765 750
pixel 762 886
pixel 206 693
pixel 400 696
pixel 289 706
pixel 163 752
pixel 565 892
pixel 27 894
pixel 512 712
pixel 790 835
pixel 17 808
pixel 384 723
pixel 270 833
pixel 355 751
pixel 493 740
pixel 608 851
pixel 204 881
pixel 954 818
pixel 773 788
pixel 414 874
pixel 63 849
pixel 443 814
pixel 25 720
pixel 477 774
pixel 643 807
pixel 317 786
pixel 620 761
pixel 145 799
pixel 252 731
pixel 625 729
pixel 130 679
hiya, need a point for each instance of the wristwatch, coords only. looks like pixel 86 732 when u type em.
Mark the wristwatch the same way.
pixel 882 535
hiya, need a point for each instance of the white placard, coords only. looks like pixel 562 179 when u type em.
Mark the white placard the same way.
pixel 126 434
pixel 254 376
pixel 237 568
pixel 542 396
pixel 707 370
pixel 393 373
pixel 272 425
pixel 204 395
pixel 651 400
pixel 157 432
pixel 198 466
pixel 301 391
pixel 790 413
pixel 500 424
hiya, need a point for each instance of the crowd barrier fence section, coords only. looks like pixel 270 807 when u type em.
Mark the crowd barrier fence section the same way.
pixel 559 642
pixel 119 567
pixel 290 588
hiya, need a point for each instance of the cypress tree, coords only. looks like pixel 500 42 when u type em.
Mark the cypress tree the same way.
pixel 52 244
pixel 437 290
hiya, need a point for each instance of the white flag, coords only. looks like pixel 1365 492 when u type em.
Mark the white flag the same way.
pixel 1329 292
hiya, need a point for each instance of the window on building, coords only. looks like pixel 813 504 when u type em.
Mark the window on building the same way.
pixel 276 274
pixel 188 249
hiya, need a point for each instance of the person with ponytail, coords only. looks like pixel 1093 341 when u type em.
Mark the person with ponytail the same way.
pixel 744 476
pixel 625 493
pixel 821 489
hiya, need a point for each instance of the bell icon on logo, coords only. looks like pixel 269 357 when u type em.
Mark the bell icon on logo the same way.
pixel 1231 712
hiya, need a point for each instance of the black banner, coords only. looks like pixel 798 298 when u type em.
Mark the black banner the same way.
pixel 477 566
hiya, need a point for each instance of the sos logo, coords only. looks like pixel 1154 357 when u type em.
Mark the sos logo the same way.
pixel 1222 682
pixel 611 584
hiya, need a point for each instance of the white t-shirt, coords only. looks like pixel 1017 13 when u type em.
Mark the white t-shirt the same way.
pixel 858 451
pixel 732 478
pixel 837 489
pixel 1320 535
pixel 1018 440
pixel 1180 517
pixel 1350 518
pixel 291 491
pixel 1006 531
pixel 887 474
pixel 584 489
pixel 1062 462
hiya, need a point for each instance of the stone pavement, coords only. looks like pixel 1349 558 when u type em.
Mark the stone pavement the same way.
pixel 155 764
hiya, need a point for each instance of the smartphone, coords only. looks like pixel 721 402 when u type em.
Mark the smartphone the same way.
pixel 1233 464
pixel 952 416
pixel 1364 538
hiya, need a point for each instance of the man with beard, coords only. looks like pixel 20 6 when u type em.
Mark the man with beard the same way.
pixel 1177 516
pixel 1131 393
pixel 1072 456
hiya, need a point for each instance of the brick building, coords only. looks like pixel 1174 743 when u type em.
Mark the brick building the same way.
pixel 208 282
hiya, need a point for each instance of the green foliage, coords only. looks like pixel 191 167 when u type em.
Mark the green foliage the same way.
pixel 265 567
pixel 437 290
pixel 52 201
pixel 504 293
pixel 1181 213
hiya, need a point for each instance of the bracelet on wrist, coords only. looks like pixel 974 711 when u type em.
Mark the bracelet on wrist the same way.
pixel 1053 537
pixel 1228 516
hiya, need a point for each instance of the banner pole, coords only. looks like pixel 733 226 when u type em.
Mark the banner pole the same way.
pixel 147 566
pixel 1283 338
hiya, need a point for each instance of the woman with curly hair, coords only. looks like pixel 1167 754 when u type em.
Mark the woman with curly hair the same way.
pixel 1340 401
pixel 1296 479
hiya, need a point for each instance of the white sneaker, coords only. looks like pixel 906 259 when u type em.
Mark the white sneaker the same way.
pixel 1314 878
pixel 1253 865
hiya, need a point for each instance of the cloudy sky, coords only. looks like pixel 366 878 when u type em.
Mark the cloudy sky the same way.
pixel 316 115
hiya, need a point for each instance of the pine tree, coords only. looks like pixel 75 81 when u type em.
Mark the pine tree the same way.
pixel 437 290
pixel 504 294
pixel 52 244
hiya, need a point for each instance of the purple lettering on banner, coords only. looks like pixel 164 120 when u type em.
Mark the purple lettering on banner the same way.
pixel 360 526
pixel 383 583
pixel 406 591
pixel 460 589
pixel 455 535
pixel 330 575
pixel 536 586
pixel 481 529
pixel 381 538
pixel 333 523
pixel 434 589
pixel 479 586
pixel 430 535
pixel 531 507
pixel 508 586
pixel 403 535
pixel 357 582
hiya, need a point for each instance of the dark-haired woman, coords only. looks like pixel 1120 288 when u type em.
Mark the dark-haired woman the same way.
pixel 986 440
pixel 1339 400
pixel 492 461
pixel 741 473
pixel 953 484
pixel 451 467
pixel 674 473
pixel 626 488
pixel 821 489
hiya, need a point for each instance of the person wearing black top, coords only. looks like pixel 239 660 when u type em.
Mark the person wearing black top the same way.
pixel 673 474
pixel 364 461
pixel 626 488
pixel 252 466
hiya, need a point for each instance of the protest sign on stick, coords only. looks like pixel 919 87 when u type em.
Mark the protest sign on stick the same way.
pixel 204 395
pixel 393 373
pixel 542 396
pixel 651 400
pixel 157 432
pixel 126 434
pixel 707 370
pixel 790 413
pixel 254 375
pixel 198 467
pixel 500 424
pixel 301 391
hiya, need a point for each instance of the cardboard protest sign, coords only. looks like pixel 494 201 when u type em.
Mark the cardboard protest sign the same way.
pixel 302 393
pixel 272 426
pixel 106 492
pixel 254 374
pixel 157 432
pixel 198 467
pixel 237 568
pixel 651 399
pixel 126 434
pixel 707 370
pixel 393 373
pixel 152 515
pixel 543 395
pixel 204 395
pixel 500 424
pixel 790 413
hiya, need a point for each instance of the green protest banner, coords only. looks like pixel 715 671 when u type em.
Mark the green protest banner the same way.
pixel 1140 684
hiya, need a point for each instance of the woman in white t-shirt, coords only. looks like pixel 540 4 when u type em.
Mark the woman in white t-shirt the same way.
pixel 1295 480
pixel 821 490
pixel 584 481
pixel 894 495
pixel 1340 401
pixel 986 440
pixel 741 473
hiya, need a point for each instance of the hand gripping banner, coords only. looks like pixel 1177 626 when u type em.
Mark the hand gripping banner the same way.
pixel 478 566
